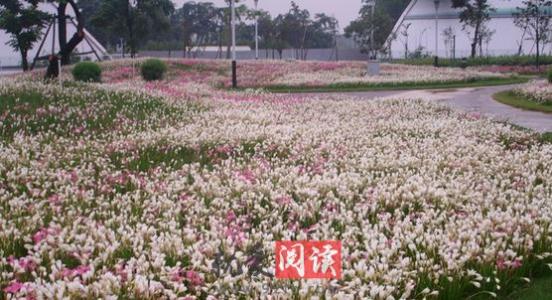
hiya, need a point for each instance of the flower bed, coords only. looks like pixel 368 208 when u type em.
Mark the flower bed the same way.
pixel 539 91
pixel 180 198
pixel 259 74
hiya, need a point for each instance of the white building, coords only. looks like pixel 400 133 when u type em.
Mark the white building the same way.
pixel 11 58
pixel 415 29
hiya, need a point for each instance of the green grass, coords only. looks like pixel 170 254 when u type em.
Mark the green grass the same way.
pixel 510 98
pixel 539 289
pixel 174 157
pixel 506 60
pixel 362 87
pixel 546 138
pixel 103 110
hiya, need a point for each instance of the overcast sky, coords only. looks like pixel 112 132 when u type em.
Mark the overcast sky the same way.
pixel 344 10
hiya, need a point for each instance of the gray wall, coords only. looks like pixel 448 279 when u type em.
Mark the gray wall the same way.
pixel 313 54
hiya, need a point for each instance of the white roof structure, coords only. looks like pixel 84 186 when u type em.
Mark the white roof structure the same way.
pixel 11 58
pixel 419 18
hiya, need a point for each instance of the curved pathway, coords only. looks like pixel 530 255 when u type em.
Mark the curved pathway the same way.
pixel 471 100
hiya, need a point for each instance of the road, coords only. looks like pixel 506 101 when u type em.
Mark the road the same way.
pixel 470 100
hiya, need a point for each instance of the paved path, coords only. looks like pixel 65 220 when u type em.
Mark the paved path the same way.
pixel 470 100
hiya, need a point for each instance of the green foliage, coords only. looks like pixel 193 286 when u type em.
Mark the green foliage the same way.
pixel 33 106
pixel 474 14
pixel 386 14
pixel 135 23
pixel 87 72
pixel 507 60
pixel 153 69
pixel 23 22
pixel 550 76
pixel 533 18
pixel 546 138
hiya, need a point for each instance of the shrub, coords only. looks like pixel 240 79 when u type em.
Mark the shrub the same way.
pixel 153 69
pixel 550 75
pixel 87 72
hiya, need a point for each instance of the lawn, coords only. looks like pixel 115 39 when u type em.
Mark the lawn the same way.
pixel 359 87
pixel 516 100
pixel 178 188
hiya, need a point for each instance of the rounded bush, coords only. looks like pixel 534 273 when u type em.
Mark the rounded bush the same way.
pixel 550 75
pixel 153 69
pixel 87 72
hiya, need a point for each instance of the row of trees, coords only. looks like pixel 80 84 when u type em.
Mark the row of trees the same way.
pixel 196 24
pixel 144 22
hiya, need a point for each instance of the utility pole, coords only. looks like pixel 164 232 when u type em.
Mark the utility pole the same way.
pixel 436 2
pixel 256 30
pixel 234 64
pixel 372 10
pixel 372 5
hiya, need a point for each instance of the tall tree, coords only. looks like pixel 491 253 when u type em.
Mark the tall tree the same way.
pixel 381 23
pixel 23 21
pixel 474 14
pixel 535 16
pixel 294 28
pixel 135 20
pixel 194 24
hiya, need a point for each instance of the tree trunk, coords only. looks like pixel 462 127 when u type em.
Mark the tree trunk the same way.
pixel 130 26
pixel 24 60
pixel 229 32
pixel 62 31
pixel 520 49
pixel 475 40
pixel 537 38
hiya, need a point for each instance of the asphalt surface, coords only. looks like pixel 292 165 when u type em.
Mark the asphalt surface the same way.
pixel 467 99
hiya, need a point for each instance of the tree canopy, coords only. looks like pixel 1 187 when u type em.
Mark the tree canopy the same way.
pixel 23 22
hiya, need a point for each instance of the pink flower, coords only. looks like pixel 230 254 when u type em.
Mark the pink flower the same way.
pixel 78 271
pixel 183 197
pixel 78 130
pixel 194 278
pixel 284 200
pixel 176 276
pixel 248 176
pixel 14 287
pixel 81 270
pixel 121 272
pixel 235 233
pixel 500 263
pixel 54 199
pixel 28 264
pixel 516 264
pixel 230 216
pixel 40 235
pixel 74 177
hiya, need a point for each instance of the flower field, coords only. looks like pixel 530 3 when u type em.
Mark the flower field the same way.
pixel 252 74
pixel 176 189
pixel 539 91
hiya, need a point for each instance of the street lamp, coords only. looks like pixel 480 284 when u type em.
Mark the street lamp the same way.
pixel 256 29
pixel 436 2
pixel 373 64
pixel 372 5
pixel 233 25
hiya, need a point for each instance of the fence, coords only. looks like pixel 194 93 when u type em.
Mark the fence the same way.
pixel 312 54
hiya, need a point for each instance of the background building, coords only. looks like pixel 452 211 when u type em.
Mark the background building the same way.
pixel 414 32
